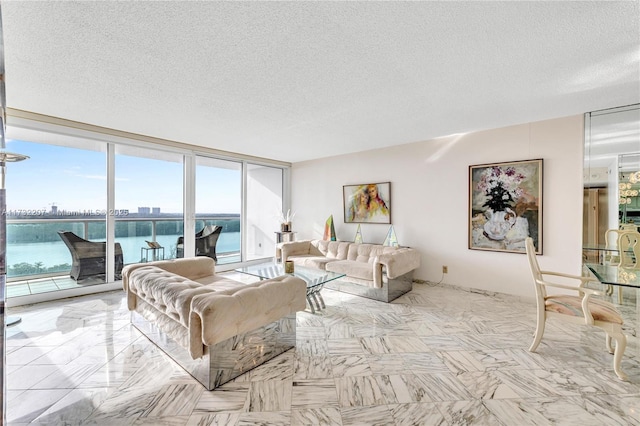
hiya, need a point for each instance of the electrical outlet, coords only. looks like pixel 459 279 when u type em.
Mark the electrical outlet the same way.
pixel 445 269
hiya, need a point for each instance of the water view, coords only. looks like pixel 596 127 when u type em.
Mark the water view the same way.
pixel 46 256
pixel 34 247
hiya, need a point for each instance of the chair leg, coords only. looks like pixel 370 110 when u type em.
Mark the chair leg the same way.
pixel 607 341
pixel 621 345
pixel 539 332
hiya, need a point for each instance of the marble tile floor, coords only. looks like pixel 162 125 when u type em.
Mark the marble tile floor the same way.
pixel 436 356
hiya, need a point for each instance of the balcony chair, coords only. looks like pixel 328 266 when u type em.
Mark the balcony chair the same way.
pixel 581 309
pixel 206 241
pixel 89 256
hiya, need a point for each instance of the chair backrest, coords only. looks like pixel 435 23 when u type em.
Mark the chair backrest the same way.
pixel 612 240
pixel 74 242
pixel 208 230
pixel 611 237
pixel 207 240
pixel 629 246
pixel 82 249
pixel 629 227
pixel 70 238
pixel 535 269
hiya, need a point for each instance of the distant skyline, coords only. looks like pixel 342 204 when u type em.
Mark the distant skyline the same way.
pixel 76 180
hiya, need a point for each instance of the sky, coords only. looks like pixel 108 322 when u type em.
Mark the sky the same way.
pixel 75 180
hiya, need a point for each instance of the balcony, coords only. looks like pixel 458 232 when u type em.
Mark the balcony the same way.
pixel 39 262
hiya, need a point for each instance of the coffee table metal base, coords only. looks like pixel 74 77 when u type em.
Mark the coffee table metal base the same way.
pixel 313 295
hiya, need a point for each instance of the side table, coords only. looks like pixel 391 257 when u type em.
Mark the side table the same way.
pixel 155 251
pixel 283 237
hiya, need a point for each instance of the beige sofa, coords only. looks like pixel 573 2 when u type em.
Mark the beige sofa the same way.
pixel 372 270
pixel 214 327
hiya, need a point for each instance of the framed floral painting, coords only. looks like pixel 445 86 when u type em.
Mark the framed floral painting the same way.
pixel 505 206
pixel 367 203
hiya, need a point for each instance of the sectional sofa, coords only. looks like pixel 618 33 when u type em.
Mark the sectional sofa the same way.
pixel 216 328
pixel 371 270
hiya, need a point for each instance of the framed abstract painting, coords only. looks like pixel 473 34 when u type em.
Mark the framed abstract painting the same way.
pixel 505 206
pixel 367 203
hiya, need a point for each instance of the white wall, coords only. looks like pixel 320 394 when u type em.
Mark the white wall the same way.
pixel 429 200
pixel 264 201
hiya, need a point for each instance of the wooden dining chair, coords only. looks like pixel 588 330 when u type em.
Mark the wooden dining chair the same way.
pixel 610 254
pixel 579 309
pixel 629 247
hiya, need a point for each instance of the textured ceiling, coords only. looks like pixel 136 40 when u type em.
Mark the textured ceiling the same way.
pixel 301 80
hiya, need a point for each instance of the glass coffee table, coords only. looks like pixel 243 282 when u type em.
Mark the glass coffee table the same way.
pixel 315 279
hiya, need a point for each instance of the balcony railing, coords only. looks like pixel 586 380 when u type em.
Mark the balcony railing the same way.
pixel 34 248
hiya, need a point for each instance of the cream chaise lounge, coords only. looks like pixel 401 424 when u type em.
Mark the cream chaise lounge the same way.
pixel 214 327
pixel 375 271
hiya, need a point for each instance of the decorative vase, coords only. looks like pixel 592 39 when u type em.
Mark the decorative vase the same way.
pixel 288 267
pixel 285 227
pixel 499 223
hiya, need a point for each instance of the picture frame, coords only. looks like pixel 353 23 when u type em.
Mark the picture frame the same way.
pixel 505 205
pixel 367 203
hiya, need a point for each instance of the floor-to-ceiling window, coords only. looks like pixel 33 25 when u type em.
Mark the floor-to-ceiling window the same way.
pixel 218 202
pixel 148 202
pixel 60 189
pixel 124 195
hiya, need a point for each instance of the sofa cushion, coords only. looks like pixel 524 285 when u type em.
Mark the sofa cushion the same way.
pixel 601 310
pixel 171 294
pixel 367 252
pixel 310 261
pixel 385 262
pixel 192 268
pixel 220 283
pixel 223 314
pixel 333 249
pixel 352 268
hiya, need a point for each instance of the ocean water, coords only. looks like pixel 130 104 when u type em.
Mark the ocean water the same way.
pixel 56 253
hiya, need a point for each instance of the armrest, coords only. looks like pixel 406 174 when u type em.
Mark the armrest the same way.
pixel 585 293
pixel 293 248
pixel 126 274
pixel 571 287
pixel 580 288
pixel 191 268
pixel 399 262
pixel 220 315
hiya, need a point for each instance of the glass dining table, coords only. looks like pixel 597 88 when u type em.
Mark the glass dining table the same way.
pixel 615 275
pixel 598 253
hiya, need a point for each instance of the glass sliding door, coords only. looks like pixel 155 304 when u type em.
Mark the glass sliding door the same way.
pixel 124 201
pixel 264 206
pixel 55 202
pixel 218 203
pixel 148 206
